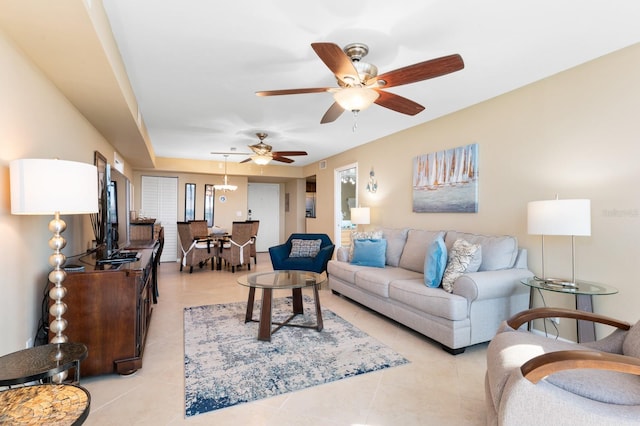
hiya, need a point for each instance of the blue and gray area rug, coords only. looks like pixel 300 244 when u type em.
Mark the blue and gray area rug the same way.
pixel 226 365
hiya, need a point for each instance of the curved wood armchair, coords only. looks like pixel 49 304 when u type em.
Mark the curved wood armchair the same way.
pixel 532 379
pixel 544 365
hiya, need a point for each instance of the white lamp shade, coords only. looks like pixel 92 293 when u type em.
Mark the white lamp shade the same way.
pixel 45 186
pixel 559 217
pixel 360 215
pixel 355 98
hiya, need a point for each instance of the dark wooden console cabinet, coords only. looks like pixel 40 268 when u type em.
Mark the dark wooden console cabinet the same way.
pixel 109 310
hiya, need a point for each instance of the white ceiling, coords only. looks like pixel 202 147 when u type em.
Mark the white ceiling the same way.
pixel 195 65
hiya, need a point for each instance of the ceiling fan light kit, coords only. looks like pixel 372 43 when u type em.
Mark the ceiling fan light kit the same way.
pixel 356 98
pixel 261 160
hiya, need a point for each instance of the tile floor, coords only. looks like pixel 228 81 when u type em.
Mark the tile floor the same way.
pixel 435 388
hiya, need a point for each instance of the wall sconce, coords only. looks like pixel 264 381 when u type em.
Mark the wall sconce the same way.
pixel 372 185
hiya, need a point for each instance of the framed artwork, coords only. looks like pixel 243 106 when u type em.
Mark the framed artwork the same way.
pixel 209 197
pixel 446 181
pixel 189 201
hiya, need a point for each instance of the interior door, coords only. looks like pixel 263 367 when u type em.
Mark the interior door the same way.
pixel 159 199
pixel 346 193
pixel 263 200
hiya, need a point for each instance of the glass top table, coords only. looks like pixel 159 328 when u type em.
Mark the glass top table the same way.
pixel 281 280
pixel 583 291
pixel 580 287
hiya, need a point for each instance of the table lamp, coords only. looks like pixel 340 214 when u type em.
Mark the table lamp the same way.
pixel 360 215
pixel 560 217
pixel 54 187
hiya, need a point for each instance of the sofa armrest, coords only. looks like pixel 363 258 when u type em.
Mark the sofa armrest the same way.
pixel 491 284
pixel 342 255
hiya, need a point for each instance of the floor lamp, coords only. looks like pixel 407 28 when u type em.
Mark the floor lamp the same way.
pixel 560 217
pixel 360 215
pixel 54 187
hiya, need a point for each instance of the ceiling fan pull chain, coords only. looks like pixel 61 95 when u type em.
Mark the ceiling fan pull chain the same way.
pixel 355 120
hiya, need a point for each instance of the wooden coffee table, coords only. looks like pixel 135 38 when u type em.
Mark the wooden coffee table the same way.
pixel 280 280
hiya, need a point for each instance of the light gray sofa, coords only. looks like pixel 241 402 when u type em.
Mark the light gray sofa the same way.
pixel 470 314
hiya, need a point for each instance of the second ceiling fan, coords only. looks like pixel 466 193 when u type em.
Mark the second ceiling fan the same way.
pixel 359 82
pixel 263 153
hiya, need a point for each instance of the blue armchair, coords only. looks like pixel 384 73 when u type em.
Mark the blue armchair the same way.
pixel 280 259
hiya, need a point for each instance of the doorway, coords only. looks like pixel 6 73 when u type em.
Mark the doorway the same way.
pixel 263 202
pixel 346 193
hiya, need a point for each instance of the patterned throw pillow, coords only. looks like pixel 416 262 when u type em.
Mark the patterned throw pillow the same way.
pixel 460 256
pixel 355 235
pixel 305 248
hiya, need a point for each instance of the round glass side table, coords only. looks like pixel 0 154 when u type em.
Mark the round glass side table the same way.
pixel 583 292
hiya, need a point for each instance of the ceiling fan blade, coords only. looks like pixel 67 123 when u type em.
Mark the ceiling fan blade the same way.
pixel 245 160
pixel 332 113
pixel 336 60
pixel 422 71
pixel 283 159
pixel 288 153
pixel 292 91
pixel 398 103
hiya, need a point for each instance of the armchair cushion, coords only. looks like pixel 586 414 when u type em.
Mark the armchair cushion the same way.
pixel 631 345
pixel 305 248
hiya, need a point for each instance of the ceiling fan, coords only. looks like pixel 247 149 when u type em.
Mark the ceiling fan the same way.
pixel 263 154
pixel 359 82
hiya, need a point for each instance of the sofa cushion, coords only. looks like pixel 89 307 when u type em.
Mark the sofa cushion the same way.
pixel 376 280
pixel 459 258
pixel 433 301
pixel 435 263
pixel 343 270
pixel 396 239
pixel 415 249
pixel 498 252
pixel 305 248
pixel 476 261
pixel 369 252
pixel 355 235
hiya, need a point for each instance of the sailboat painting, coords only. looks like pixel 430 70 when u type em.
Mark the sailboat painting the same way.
pixel 446 181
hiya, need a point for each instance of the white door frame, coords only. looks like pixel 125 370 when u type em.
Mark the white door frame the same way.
pixel 337 203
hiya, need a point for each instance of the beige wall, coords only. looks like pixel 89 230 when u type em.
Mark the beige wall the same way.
pixel 36 121
pixel 574 134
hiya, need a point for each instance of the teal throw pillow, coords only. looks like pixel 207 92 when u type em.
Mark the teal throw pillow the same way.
pixel 435 262
pixel 369 252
